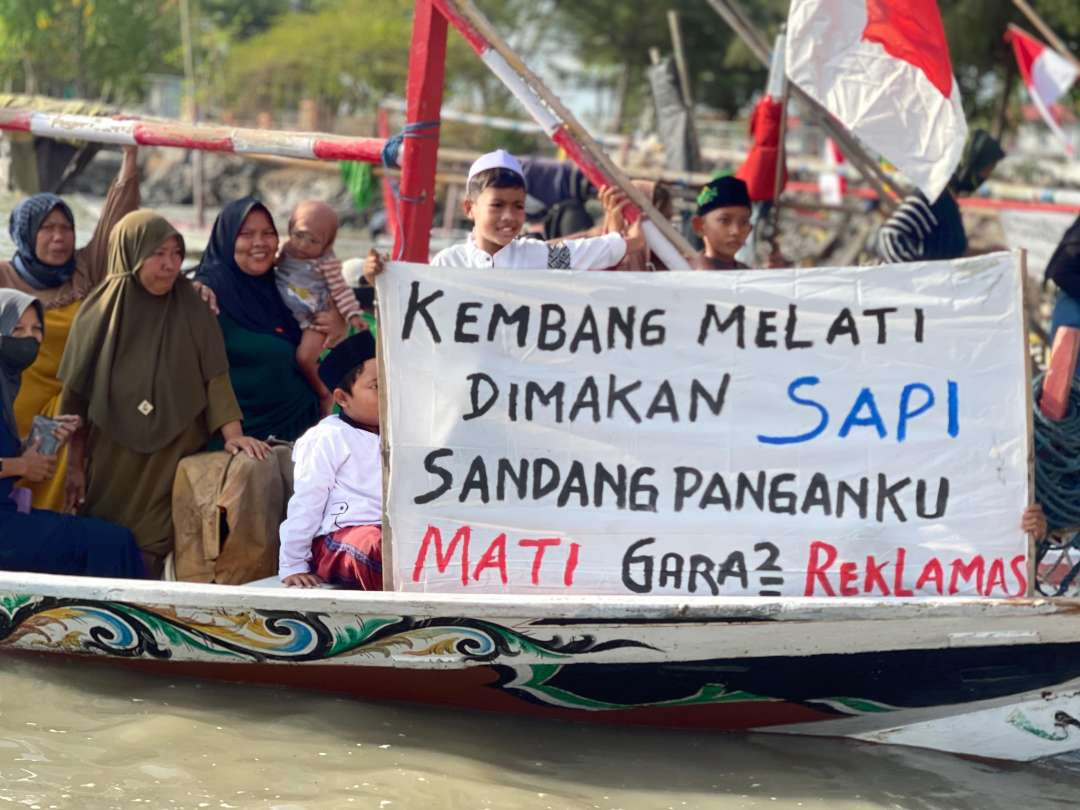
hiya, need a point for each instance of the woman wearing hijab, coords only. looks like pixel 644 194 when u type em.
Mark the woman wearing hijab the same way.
pixel 146 369
pixel 261 334
pixel 921 231
pixel 47 266
pixel 35 540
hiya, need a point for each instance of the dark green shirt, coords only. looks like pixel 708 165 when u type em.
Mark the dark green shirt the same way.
pixel 274 396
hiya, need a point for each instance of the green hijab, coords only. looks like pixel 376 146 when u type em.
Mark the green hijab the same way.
pixel 142 361
pixel 982 151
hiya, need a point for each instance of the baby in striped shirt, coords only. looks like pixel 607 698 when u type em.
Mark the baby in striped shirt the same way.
pixel 309 281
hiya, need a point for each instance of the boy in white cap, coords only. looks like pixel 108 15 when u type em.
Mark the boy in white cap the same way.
pixel 495 202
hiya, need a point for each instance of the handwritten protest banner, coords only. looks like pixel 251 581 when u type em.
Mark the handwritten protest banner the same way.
pixel 820 432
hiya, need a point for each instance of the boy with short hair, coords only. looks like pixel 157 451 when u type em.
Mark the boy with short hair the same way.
pixel 495 202
pixel 723 223
pixel 333 531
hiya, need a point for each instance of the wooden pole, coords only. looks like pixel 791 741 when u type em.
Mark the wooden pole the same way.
pixel 683 70
pixel 1046 31
pixel 571 135
pixel 419 154
pixel 192 112
pixel 680 58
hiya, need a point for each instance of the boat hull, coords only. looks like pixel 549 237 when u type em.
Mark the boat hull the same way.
pixel 982 677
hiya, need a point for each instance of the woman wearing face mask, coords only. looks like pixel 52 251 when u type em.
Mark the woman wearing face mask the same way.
pixel 35 540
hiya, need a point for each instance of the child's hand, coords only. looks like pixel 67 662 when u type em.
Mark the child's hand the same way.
pixel 358 323
pixel 614 202
pixel 1034 522
pixel 373 265
pixel 303 581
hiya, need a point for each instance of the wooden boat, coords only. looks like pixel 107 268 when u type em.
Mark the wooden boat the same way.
pixel 984 677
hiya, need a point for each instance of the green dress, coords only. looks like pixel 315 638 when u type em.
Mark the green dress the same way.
pixel 275 398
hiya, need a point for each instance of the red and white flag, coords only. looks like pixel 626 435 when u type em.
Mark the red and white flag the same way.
pixel 1046 73
pixel 882 67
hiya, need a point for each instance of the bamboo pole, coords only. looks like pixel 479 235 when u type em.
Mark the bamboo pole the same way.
pixel 1046 31
pixel 580 138
pixel 192 112
pixel 778 179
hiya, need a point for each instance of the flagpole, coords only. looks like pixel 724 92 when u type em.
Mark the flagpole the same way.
pixel 1046 31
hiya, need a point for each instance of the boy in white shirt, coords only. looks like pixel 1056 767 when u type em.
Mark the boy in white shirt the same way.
pixel 495 202
pixel 333 530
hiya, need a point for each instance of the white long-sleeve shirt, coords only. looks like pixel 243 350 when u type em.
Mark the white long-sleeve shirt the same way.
pixel 591 253
pixel 337 484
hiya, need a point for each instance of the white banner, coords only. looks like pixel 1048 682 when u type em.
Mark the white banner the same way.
pixel 856 431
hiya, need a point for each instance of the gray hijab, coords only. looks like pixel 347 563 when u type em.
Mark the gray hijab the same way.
pixel 13 304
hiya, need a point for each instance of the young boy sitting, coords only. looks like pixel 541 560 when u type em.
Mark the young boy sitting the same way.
pixel 495 202
pixel 722 222
pixel 333 530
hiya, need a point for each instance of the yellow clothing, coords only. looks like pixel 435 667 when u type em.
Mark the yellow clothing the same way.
pixel 40 394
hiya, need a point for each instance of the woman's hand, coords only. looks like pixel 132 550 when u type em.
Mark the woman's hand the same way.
pixel 36 466
pixel 74 489
pixel 303 581
pixel 332 325
pixel 67 427
pixel 373 266
pixel 251 447
pixel 1034 522
pixel 208 296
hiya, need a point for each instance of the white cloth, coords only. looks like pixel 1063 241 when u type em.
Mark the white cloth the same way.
pixel 338 483
pixel 593 253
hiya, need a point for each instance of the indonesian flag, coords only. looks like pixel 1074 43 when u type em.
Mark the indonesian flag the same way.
pixel 882 67
pixel 1046 73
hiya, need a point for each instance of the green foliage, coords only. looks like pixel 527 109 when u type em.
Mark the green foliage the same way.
pixel 86 48
pixel 344 54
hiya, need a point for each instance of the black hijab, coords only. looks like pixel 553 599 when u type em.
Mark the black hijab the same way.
pixel 982 151
pixel 251 301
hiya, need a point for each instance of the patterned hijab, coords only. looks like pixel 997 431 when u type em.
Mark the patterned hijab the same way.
pixel 24 224
pixel 251 301
pixel 142 361
pixel 13 304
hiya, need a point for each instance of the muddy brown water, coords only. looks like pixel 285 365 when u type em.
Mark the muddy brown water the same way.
pixel 99 736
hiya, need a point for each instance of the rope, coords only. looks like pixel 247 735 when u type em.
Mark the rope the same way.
pixel 390 152
pixel 1057 461
pixel 1057 484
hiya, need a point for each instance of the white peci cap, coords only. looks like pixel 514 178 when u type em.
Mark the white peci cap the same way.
pixel 499 159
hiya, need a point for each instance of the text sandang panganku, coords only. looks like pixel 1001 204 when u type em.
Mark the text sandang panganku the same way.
pixel 825 432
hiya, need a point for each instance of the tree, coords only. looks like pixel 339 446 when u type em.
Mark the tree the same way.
pixel 86 48
pixel 339 58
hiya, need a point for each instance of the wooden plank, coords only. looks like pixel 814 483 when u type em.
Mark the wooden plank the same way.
pixel 1029 409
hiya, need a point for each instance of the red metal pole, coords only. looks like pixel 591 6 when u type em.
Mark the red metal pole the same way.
pixel 419 154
